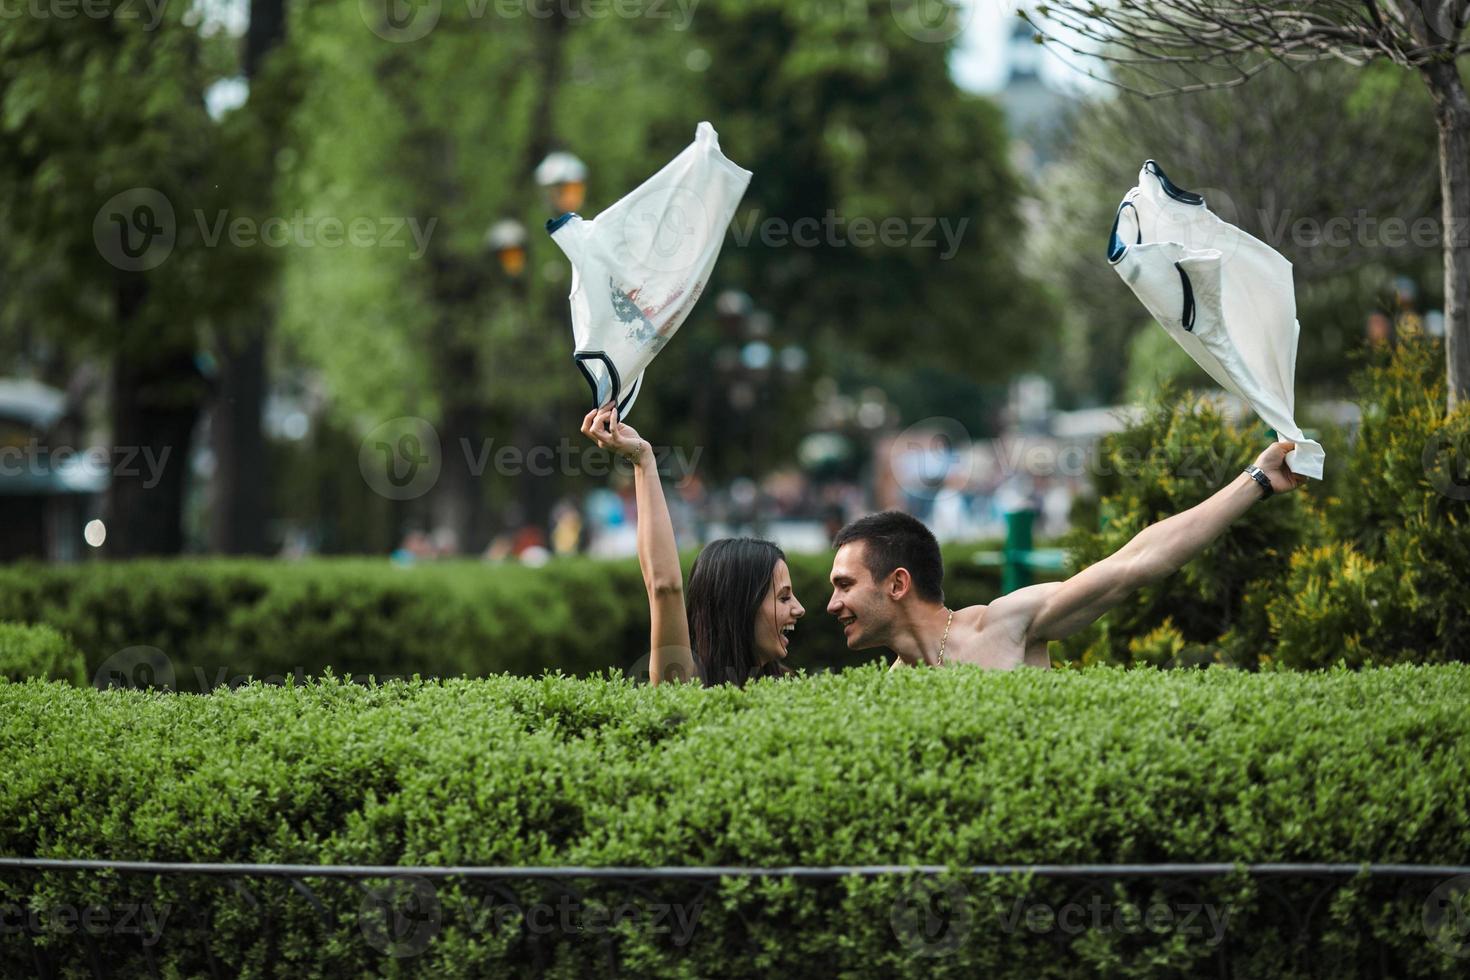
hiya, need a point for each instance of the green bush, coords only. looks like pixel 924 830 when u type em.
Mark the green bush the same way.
pixel 38 651
pixel 1372 564
pixel 955 768
pixel 218 620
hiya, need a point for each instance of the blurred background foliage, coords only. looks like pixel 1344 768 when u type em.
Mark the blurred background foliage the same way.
pixel 273 110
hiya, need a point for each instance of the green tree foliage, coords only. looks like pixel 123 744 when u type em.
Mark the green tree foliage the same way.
pixel 1286 166
pixel 108 102
pixel 854 120
pixel 834 109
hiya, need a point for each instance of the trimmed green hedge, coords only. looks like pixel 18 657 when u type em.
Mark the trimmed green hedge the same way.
pixel 219 620
pixel 953 767
pixel 39 651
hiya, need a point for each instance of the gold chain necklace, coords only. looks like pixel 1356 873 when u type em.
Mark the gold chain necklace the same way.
pixel 945 638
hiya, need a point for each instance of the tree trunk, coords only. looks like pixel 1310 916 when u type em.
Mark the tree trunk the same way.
pixel 1452 113
pixel 458 502
pixel 238 526
pixel 240 483
pixel 537 491
pixel 156 401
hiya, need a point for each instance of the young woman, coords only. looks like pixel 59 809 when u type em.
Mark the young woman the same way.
pixel 741 609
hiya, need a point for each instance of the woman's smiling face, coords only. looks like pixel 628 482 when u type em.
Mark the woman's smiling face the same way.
pixel 776 617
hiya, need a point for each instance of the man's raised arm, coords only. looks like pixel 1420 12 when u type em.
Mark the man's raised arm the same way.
pixel 1056 610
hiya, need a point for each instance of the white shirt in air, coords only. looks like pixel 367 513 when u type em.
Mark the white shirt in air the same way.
pixel 640 265
pixel 1223 295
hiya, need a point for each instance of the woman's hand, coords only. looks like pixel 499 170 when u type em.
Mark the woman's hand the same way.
pixel 601 425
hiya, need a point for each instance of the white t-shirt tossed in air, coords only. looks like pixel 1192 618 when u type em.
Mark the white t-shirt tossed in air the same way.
pixel 640 265
pixel 1223 295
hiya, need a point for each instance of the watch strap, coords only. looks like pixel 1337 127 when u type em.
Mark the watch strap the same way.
pixel 1259 475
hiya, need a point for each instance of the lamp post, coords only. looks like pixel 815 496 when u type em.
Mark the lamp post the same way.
pixel 562 177
pixel 507 241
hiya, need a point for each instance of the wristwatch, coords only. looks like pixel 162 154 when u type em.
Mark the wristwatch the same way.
pixel 1259 475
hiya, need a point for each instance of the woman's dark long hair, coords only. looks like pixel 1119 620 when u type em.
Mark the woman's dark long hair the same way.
pixel 727 585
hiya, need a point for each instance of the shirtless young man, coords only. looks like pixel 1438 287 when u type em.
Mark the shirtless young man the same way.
pixel 887 582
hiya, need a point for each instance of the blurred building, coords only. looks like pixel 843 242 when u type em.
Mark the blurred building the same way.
pixel 998 56
pixel 48 490
pixel 1035 108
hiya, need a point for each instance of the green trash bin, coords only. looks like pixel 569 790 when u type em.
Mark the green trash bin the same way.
pixel 1016 572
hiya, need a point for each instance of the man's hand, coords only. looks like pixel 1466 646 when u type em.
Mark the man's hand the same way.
pixel 1273 463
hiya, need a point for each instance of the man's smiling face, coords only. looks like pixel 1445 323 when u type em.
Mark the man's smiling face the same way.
pixel 858 602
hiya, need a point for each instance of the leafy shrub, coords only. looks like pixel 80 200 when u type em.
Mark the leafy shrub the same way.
pixel 957 768
pixel 219 620
pixel 1371 564
pixel 38 651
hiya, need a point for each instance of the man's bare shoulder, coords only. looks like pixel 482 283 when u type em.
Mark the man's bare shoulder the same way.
pixel 987 636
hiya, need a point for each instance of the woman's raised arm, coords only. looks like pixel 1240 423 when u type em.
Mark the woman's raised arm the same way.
pixel 670 657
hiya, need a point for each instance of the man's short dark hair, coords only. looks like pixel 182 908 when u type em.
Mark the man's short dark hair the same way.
pixel 896 540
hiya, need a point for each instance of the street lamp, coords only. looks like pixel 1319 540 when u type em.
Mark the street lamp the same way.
pixel 507 239
pixel 733 306
pixel 563 178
